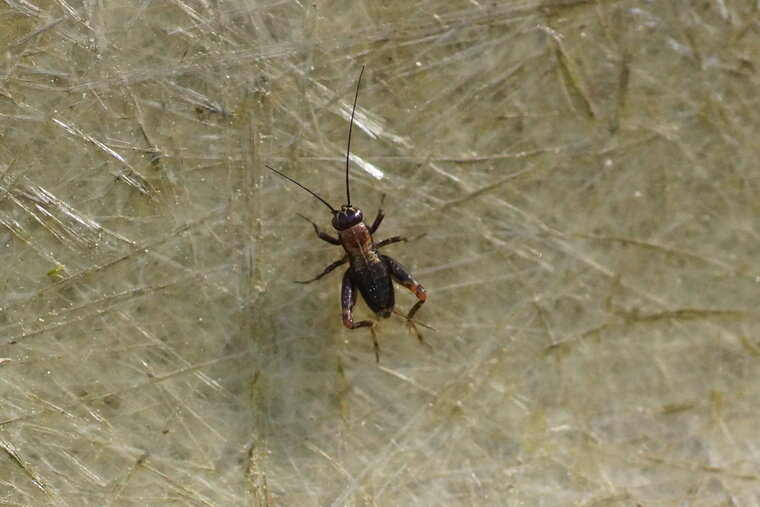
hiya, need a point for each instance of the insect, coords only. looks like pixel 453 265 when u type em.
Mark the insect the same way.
pixel 369 271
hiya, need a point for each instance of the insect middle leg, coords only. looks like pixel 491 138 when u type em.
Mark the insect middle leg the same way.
pixel 347 302
pixel 390 241
pixel 402 276
pixel 327 270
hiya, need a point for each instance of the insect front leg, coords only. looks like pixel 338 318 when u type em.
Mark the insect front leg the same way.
pixel 327 270
pixel 347 302
pixel 377 222
pixel 402 276
pixel 322 235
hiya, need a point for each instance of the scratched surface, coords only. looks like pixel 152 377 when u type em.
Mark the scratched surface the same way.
pixel 580 184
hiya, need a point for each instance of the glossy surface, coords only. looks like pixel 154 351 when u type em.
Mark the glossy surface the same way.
pixel 368 270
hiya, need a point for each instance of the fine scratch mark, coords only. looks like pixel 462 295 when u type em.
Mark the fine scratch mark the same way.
pixel 132 176
pixel 15 457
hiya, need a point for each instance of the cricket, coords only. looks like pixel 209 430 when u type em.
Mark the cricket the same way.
pixel 369 271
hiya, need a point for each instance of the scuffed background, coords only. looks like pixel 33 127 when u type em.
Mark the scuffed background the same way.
pixel 579 181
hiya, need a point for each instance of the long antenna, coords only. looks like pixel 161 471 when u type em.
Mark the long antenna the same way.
pixel 350 126
pixel 334 211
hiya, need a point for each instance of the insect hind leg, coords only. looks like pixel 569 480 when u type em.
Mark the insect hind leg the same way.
pixel 400 274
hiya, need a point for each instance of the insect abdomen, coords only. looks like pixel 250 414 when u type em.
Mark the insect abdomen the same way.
pixel 368 271
pixel 376 288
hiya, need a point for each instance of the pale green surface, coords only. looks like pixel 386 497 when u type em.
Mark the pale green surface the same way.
pixel 587 181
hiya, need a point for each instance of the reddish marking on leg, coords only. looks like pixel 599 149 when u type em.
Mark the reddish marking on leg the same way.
pixel 419 291
pixel 348 321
